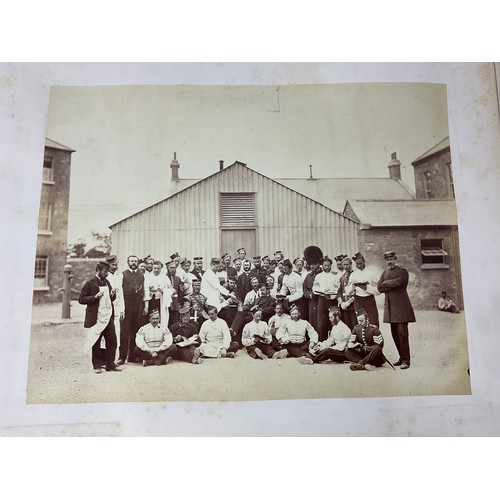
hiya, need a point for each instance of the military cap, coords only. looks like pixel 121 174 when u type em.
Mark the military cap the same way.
pixel 287 263
pixel 184 310
pixel 174 256
pixel 104 264
pixel 154 311
pixel 241 250
pixel 112 259
pixel 197 259
pixel 257 257
pixel 358 255
pixel 389 254
pixel 215 260
pixel 362 311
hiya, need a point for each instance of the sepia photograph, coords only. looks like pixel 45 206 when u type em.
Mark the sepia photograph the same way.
pixel 218 243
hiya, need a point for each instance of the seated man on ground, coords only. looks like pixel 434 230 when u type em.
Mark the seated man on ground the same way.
pixel 257 339
pixel 333 348
pixel 277 321
pixel 154 342
pixel 446 304
pixel 364 349
pixel 297 336
pixel 215 338
pixel 185 335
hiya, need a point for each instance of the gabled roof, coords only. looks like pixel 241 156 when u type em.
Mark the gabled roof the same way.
pixel 49 143
pixel 405 213
pixel 333 193
pixel 234 165
pixel 440 146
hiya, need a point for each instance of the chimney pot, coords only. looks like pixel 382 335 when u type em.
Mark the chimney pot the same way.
pixel 174 165
pixel 221 164
pixel 394 167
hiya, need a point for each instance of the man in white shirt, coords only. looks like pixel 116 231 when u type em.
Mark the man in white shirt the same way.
pixel 156 284
pixel 154 343
pixel 299 268
pixel 258 339
pixel 215 338
pixel 364 282
pixel 297 336
pixel 292 287
pixel 217 295
pixel 325 286
pixel 333 348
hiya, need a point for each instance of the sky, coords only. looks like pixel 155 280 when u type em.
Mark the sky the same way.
pixel 125 136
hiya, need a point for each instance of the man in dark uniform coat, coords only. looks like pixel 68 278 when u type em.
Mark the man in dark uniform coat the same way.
pixel 178 294
pixel 244 283
pixel 198 270
pixel 136 299
pixel 311 314
pixel 91 296
pixel 397 307
pixel 260 271
pixel 365 345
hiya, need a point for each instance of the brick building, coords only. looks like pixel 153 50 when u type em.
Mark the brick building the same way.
pixel 52 237
pixel 423 232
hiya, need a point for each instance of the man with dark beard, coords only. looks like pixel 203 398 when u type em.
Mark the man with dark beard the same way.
pixel 136 301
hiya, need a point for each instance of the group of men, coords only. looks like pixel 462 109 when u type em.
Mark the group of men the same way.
pixel 272 308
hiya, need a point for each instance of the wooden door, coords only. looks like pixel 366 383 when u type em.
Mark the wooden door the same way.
pixel 232 239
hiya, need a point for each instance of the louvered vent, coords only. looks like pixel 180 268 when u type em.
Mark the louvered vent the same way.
pixel 237 209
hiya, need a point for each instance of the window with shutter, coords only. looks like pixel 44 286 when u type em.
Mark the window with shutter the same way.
pixel 237 210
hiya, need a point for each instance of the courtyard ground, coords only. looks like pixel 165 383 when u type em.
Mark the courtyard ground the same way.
pixel 59 372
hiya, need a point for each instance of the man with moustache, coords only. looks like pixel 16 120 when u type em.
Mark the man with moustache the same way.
pixel 259 271
pixel 292 288
pixel 325 286
pixel 198 270
pixel 398 310
pixel 98 295
pixel 333 348
pixel 244 282
pixel 364 282
pixel 136 302
pixel 346 295
pixel 174 282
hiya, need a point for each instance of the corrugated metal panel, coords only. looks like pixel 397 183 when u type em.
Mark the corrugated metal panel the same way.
pixel 189 221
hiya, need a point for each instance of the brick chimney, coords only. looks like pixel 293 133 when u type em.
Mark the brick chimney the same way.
pixel 394 167
pixel 175 168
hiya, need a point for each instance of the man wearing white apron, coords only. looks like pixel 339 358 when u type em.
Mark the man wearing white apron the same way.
pixel 98 295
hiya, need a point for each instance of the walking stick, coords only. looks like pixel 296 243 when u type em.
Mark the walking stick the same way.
pixel 392 366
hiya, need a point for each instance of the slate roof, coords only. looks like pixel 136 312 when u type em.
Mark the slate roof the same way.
pixel 405 213
pixel 333 193
pixel 440 146
pixel 49 143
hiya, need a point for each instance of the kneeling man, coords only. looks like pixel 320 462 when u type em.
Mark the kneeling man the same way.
pixel 154 342
pixel 365 345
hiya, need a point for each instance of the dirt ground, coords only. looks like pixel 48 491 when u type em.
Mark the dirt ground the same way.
pixel 60 373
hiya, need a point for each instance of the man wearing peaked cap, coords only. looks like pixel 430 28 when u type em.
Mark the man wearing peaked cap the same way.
pixel 364 349
pixel 364 282
pixel 198 270
pixel 398 310
pixel 185 336
pixel 154 342
pixel 98 296
pixel 259 271
pixel 242 253
pixel 292 288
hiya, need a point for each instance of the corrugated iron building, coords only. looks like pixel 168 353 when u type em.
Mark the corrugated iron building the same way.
pixel 234 207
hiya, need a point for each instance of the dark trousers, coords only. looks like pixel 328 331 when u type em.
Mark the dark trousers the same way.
pixel 233 346
pixel 239 321
pixel 105 356
pixel 161 356
pixel 184 353
pixel 154 304
pixel 312 312
pixel 228 314
pixel 400 336
pixel 265 348
pixel 297 350
pixel 173 316
pixel 323 322
pixel 371 355
pixel 303 306
pixel 370 305
pixel 330 354
pixel 130 326
pixel 349 317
